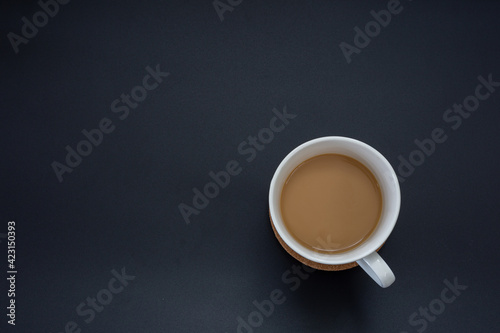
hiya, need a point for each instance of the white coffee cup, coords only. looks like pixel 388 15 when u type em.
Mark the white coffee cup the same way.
pixel 364 254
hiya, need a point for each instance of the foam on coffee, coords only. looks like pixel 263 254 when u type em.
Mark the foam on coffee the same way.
pixel 331 203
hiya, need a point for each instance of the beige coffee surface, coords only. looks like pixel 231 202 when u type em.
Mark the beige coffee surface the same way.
pixel 331 203
pixel 310 263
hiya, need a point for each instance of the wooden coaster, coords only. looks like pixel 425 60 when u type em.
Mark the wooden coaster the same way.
pixel 308 262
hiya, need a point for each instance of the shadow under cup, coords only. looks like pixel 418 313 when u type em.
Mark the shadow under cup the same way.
pixel 368 156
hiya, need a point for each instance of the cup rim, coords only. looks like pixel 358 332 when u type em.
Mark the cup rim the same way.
pixel 332 259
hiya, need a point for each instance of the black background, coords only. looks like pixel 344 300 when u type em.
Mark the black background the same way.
pixel 119 207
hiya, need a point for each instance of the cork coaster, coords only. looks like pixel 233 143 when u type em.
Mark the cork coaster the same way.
pixel 308 262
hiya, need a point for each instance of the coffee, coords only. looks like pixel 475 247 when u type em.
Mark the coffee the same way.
pixel 331 203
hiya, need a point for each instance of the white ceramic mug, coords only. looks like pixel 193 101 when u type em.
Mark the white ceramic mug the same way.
pixel 366 253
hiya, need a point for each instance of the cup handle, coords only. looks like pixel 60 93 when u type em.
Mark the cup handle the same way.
pixel 375 266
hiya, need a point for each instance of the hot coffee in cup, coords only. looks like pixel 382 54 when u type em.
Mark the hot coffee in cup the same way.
pixel 335 200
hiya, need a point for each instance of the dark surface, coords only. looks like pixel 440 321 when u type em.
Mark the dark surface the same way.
pixel 119 207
